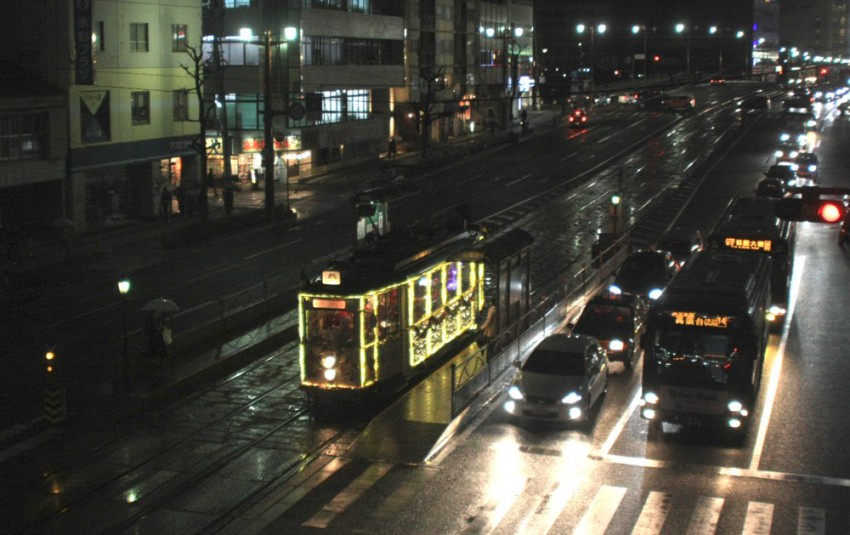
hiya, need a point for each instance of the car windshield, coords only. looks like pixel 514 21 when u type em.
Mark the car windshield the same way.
pixel 637 271
pixel 555 363
pixel 780 171
pixel 601 321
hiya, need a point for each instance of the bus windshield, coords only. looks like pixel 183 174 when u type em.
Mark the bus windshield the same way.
pixel 694 344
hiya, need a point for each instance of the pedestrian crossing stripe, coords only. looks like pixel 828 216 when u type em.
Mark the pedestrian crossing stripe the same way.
pixel 348 495
pixel 601 511
pixel 653 514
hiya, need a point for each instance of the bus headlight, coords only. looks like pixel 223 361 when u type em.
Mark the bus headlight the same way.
pixel 616 345
pixel 572 397
pixel 735 406
pixel 813 168
pixel 514 392
pixel 648 414
pixel 651 398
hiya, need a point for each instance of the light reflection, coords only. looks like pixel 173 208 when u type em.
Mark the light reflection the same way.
pixel 507 473
pixel 130 496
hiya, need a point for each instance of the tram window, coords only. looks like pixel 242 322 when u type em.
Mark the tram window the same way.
pixel 388 313
pixel 452 280
pixel 330 326
pixel 436 289
pixel 370 321
pixel 420 297
pixel 466 271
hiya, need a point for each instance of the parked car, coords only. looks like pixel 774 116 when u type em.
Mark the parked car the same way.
pixel 616 321
pixel 561 381
pixel 645 274
pixel 682 241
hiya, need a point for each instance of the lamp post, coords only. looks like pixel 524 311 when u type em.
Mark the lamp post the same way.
pixel 593 29
pixel 740 35
pixel 680 29
pixel 290 34
pixel 124 290
pixel 636 29
pixel 712 30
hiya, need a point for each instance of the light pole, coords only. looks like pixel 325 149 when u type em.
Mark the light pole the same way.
pixel 290 34
pixel 680 29
pixel 593 29
pixel 124 290
pixel 713 31
pixel 636 29
pixel 740 35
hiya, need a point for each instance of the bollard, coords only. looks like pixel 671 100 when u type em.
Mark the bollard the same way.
pixel 54 393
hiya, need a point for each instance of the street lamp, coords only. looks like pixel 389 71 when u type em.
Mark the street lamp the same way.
pixel 680 29
pixel 124 290
pixel 713 31
pixel 636 29
pixel 593 29
pixel 289 34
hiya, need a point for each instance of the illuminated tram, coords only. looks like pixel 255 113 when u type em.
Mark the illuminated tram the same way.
pixel 705 342
pixel 406 299
pixel 752 224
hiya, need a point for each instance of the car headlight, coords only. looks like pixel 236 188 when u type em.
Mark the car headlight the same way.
pixel 514 392
pixel 616 345
pixel 784 137
pixel 614 289
pixel 778 154
pixel 655 293
pixel 735 406
pixel 812 168
pixel 572 397
pixel 650 397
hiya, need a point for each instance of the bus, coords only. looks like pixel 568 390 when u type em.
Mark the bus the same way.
pixel 705 342
pixel 371 322
pixel 752 224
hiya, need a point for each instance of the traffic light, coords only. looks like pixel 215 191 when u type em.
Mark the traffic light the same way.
pixel 656 58
pixel 814 209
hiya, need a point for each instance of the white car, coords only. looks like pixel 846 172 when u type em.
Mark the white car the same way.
pixel 561 381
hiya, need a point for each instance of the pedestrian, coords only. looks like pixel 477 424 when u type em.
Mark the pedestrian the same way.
pixel 167 339
pixel 165 203
pixel 181 198
pixel 191 201
pixel 228 200
pixel 211 183
pixel 392 149
pixel 153 330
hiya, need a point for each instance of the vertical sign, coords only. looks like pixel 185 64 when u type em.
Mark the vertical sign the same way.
pixel 82 42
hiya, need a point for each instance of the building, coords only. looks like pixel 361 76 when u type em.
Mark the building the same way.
pixel 819 27
pixel 127 130
pixel 332 66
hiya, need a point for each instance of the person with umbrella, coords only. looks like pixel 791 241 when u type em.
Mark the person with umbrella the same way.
pixel 158 326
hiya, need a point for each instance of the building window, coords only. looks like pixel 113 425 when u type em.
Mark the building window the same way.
pixel 23 137
pixel 230 4
pixel 138 37
pixel 181 105
pixel 179 37
pixel 140 110
pixel 98 38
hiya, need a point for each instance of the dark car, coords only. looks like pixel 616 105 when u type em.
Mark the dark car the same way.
pixel 755 104
pixel 644 274
pixel 682 242
pixel 807 165
pixel 785 172
pixel 772 188
pixel 616 321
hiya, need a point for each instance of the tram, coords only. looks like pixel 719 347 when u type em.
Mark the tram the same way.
pixel 414 296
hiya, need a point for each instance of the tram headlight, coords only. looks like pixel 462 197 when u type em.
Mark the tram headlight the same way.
pixel 514 392
pixel 616 345
pixel 614 289
pixel 572 397
pixel 735 406
pixel 330 374
pixel 328 362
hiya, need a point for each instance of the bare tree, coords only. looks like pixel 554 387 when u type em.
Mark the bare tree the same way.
pixel 199 69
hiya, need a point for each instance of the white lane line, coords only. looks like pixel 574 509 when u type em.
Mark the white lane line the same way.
pixel 653 514
pixel 520 179
pixel 606 138
pixel 758 447
pixel 548 509
pixel 620 425
pixel 705 517
pixel 275 248
pixel 601 511
pixel 348 496
pixel 568 156
pixel 811 521
pixel 759 519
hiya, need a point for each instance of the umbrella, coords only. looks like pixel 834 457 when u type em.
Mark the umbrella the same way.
pixel 161 306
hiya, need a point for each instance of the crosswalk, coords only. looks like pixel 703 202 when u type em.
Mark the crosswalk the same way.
pixel 565 508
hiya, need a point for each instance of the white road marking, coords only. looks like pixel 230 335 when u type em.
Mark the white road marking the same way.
pixel 550 506
pixel 759 519
pixel 705 517
pixel 520 179
pixel 653 514
pixel 348 495
pixel 811 521
pixel 601 511
pixel 275 248
pixel 758 447
pixel 620 425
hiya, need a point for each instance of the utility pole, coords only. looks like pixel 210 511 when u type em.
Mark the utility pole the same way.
pixel 268 140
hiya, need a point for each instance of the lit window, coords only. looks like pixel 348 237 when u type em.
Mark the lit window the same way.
pixel 179 37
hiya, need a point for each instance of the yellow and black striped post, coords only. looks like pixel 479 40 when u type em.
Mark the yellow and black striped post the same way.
pixel 54 392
